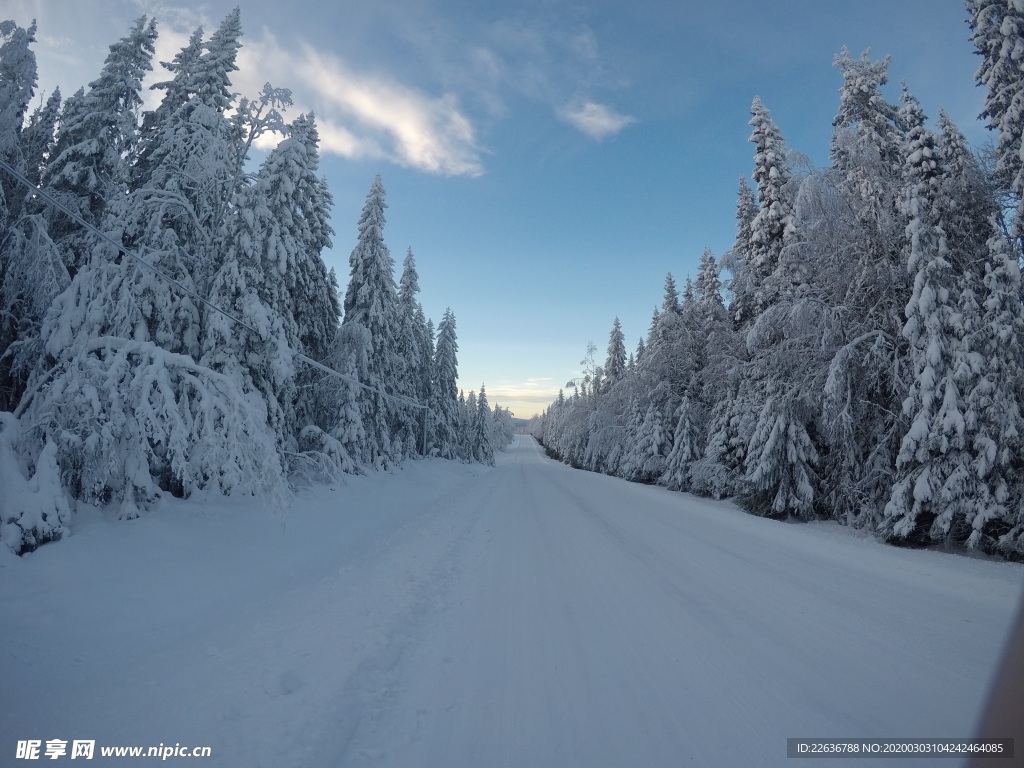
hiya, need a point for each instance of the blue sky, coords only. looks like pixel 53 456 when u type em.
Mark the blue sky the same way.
pixel 549 161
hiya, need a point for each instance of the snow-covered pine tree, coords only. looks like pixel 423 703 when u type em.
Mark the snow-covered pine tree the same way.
pixel 247 286
pixel 969 204
pixel 17 86
pixel 96 143
pixel 290 236
pixel 857 225
pixel 743 283
pixel 615 365
pixel 483 451
pixel 371 300
pixel 38 137
pixel 177 92
pixel 413 381
pixel 467 415
pixel 928 500
pixel 997 28
pixel 867 154
pixel 686 445
pixel 773 227
pixel 30 270
pixel 992 379
pixel 188 177
pixel 154 420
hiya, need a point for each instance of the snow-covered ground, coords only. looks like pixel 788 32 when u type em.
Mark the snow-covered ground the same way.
pixel 525 615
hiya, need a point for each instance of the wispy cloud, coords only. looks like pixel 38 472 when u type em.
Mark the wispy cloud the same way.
pixel 372 115
pixel 598 121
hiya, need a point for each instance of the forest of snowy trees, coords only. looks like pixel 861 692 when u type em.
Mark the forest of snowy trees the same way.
pixel 866 365
pixel 167 322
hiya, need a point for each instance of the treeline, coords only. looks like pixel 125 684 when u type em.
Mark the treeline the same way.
pixel 179 331
pixel 866 367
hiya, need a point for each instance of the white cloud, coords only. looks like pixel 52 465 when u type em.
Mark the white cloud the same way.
pixel 597 121
pixel 369 116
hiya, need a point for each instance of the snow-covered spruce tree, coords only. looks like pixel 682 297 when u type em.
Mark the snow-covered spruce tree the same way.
pixel 96 143
pixel 992 379
pixel 33 508
pixel 606 413
pixel 187 179
pixel 38 138
pixel 720 353
pixel 615 365
pixel 17 85
pixel 855 224
pixel 997 28
pixel 285 214
pixel 177 92
pixel 371 300
pixel 773 385
pixel 32 274
pixel 773 226
pixel 86 164
pixel 155 420
pixel 444 411
pixel 867 155
pixel 968 200
pixel 467 415
pixel 483 451
pixel 928 500
pixel 730 421
pixel 413 381
pixel 502 427
pixel 742 284
pixel 686 445
pixel 259 355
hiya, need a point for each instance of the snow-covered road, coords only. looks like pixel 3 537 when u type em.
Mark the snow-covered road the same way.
pixel 526 615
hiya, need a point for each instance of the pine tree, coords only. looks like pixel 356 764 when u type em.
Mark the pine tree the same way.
pixel 742 284
pixel 187 179
pixel 444 389
pixel 290 236
pixel 615 365
pixel 38 138
pixel 96 143
pixel 371 301
pixel 992 379
pixel 413 381
pixel 157 420
pixel 246 286
pixel 686 447
pixel 997 28
pixel 773 227
pixel 928 499
pixel 860 228
pixel 30 270
pixel 483 451
pixel 17 86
